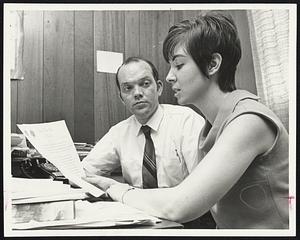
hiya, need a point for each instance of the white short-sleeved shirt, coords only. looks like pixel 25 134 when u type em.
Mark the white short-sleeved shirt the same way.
pixel 175 132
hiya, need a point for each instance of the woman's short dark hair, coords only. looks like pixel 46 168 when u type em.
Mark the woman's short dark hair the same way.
pixel 214 32
pixel 138 59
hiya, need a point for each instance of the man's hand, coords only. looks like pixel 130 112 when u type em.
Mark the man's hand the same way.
pixel 101 182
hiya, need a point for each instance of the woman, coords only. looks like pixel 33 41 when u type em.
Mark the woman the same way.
pixel 243 175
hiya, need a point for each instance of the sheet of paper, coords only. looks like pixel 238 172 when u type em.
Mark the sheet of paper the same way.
pixel 75 224
pixel 54 142
pixel 30 188
pixel 52 198
pixel 110 211
pixel 109 61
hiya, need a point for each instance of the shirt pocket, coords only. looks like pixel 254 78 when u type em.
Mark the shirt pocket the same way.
pixel 173 167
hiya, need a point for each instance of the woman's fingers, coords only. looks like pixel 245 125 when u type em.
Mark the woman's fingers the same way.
pixel 99 181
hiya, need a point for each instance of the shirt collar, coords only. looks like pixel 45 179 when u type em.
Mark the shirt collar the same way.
pixel 153 122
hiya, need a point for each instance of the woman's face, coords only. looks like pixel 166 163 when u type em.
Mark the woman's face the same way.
pixel 188 82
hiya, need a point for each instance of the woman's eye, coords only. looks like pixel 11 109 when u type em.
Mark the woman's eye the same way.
pixel 179 66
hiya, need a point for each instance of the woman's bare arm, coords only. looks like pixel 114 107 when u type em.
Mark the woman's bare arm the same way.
pixel 242 140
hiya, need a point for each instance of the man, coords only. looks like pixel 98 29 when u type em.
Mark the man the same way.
pixel 174 133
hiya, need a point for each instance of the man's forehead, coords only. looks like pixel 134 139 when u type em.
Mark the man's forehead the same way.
pixel 135 71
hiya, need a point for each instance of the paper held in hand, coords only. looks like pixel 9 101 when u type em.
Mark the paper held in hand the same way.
pixel 54 142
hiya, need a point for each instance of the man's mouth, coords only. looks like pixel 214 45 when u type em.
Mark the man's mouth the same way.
pixel 139 103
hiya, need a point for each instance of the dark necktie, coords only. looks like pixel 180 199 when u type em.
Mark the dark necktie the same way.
pixel 149 162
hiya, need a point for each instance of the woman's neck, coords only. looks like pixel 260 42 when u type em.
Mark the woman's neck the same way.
pixel 210 102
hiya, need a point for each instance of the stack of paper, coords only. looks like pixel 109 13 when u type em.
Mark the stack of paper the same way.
pixel 43 212
pixel 96 215
pixel 42 200
pixel 25 190
pixel 53 141
pixel 112 211
pixel 83 149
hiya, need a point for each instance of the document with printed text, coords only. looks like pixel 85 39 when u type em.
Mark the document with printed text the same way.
pixel 54 142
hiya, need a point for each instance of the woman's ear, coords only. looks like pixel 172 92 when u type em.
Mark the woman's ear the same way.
pixel 215 64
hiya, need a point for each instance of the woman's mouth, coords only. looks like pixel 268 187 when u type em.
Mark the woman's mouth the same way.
pixel 176 92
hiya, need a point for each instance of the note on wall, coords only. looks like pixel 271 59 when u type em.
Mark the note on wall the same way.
pixel 109 62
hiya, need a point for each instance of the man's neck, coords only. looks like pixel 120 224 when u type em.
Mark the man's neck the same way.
pixel 145 120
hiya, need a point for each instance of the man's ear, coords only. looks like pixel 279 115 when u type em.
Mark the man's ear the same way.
pixel 215 64
pixel 160 87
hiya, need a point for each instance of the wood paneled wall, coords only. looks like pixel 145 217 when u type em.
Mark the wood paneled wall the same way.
pixel 61 81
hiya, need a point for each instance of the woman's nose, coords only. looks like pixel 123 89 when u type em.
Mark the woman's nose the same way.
pixel 170 78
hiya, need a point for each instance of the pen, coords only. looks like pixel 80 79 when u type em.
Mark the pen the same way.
pixel 177 155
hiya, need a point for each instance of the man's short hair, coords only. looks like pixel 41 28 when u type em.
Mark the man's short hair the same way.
pixel 214 32
pixel 138 59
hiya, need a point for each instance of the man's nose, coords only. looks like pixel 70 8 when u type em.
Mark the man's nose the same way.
pixel 170 78
pixel 138 92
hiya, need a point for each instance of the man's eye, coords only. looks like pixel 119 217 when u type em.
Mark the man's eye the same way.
pixel 126 88
pixel 146 84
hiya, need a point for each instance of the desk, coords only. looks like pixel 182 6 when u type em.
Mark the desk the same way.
pixel 163 224
pixel 116 210
pixel 107 231
pixel 92 215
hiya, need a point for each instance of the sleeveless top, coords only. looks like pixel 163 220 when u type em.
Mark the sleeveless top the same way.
pixel 259 199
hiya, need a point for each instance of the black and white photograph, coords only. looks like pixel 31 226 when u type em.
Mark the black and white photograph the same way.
pixel 149 119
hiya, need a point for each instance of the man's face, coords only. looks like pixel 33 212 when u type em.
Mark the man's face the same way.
pixel 138 90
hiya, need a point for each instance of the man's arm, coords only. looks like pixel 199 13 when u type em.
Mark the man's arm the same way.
pixel 103 158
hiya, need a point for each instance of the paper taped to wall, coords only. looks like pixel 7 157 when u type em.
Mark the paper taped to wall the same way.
pixel 109 61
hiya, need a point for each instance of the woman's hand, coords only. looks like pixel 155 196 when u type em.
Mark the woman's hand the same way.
pixel 101 182
pixel 116 192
